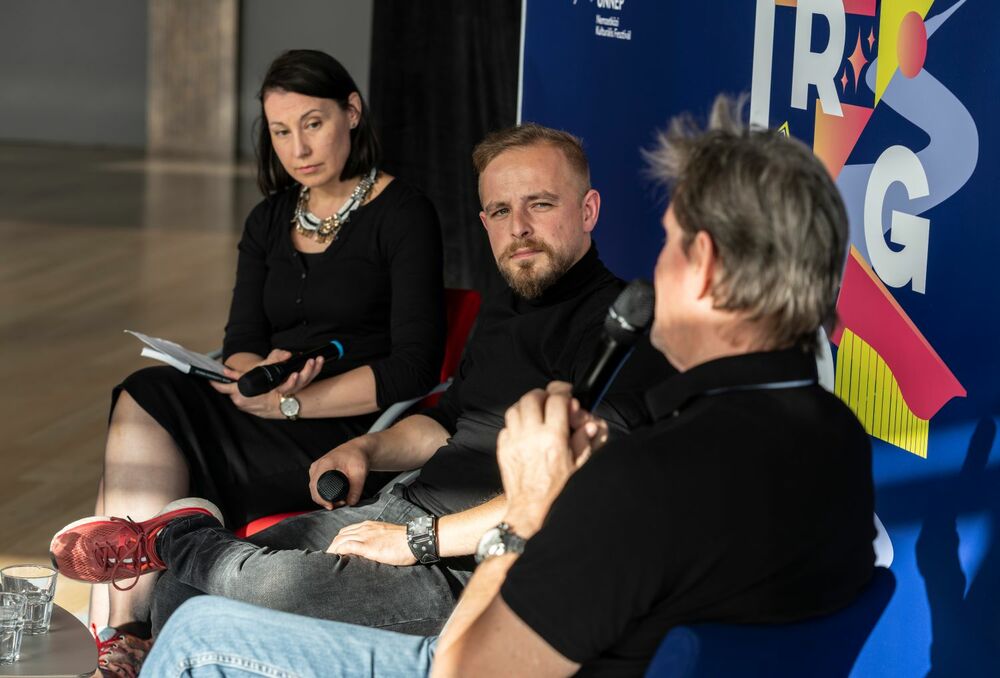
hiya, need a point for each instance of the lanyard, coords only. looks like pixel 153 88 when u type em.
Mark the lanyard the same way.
pixel 765 386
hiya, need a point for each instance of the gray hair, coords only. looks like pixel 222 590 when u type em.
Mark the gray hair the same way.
pixel 771 208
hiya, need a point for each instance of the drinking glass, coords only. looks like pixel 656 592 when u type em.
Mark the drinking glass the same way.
pixel 12 610
pixel 38 585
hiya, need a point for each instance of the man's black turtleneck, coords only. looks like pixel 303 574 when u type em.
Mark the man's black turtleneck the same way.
pixel 521 344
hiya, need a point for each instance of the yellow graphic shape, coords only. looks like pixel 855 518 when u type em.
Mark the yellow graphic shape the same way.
pixel 784 129
pixel 867 385
pixel 891 19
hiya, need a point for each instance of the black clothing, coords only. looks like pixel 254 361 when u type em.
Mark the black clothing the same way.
pixel 520 345
pixel 741 504
pixel 377 289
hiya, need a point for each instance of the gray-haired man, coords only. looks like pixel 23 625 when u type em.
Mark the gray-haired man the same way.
pixel 748 500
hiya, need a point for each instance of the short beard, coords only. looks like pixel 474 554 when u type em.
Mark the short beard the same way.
pixel 523 277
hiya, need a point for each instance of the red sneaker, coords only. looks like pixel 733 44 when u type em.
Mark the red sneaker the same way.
pixel 120 654
pixel 100 549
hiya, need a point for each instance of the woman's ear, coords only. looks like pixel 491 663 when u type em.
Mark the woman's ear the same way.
pixel 354 107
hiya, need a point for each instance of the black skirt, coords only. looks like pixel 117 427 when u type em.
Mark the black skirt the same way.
pixel 248 466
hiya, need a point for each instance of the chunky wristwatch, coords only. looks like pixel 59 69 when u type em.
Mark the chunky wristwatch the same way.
pixel 289 406
pixel 421 537
pixel 498 541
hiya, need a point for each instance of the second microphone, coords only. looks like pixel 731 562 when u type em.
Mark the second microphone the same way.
pixel 264 378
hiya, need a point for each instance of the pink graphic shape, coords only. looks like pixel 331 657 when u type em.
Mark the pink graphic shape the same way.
pixel 864 7
pixel 867 308
pixel 835 137
pixel 911 47
pixel 858 61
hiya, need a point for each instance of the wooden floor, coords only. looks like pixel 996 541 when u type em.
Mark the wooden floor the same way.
pixel 93 242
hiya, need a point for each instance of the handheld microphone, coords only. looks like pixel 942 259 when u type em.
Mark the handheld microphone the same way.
pixel 264 378
pixel 333 486
pixel 627 320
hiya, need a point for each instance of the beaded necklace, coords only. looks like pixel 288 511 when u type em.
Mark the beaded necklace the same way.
pixel 311 226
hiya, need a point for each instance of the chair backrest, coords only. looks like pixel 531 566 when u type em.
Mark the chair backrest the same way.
pixel 819 647
pixel 462 307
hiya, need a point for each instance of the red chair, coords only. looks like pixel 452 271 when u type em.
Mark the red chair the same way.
pixel 462 307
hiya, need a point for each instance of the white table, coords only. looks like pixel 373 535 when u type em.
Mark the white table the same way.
pixel 67 650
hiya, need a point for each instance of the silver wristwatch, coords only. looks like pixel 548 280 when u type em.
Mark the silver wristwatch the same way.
pixel 289 406
pixel 498 541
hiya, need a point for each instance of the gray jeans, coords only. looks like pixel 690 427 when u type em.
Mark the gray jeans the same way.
pixel 285 568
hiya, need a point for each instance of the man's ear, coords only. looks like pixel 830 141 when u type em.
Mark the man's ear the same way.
pixel 482 218
pixel 703 258
pixel 591 209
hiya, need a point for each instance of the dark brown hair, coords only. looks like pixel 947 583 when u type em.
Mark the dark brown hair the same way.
pixel 315 74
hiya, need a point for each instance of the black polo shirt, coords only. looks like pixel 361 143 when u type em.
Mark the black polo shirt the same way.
pixel 749 500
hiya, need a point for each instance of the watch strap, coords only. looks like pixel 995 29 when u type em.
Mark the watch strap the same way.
pixel 421 537
pixel 498 541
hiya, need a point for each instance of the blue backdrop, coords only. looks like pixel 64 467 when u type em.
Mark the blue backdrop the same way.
pixel 916 140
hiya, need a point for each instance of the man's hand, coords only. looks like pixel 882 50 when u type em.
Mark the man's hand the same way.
pixel 266 405
pixel 351 460
pixel 381 542
pixel 547 437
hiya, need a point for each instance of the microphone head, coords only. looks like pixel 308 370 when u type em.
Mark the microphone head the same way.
pixel 332 486
pixel 256 382
pixel 631 313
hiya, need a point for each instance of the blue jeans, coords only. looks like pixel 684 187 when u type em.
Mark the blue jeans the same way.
pixel 210 636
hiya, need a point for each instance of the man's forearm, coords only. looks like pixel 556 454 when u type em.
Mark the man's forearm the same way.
pixel 404 446
pixel 459 533
pixel 481 590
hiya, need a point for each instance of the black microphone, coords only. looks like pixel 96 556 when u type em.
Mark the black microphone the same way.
pixel 333 486
pixel 627 320
pixel 264 378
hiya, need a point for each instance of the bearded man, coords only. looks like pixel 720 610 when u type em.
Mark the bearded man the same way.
pixel 400 560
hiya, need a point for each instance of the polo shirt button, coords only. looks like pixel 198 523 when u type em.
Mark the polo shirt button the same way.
pixel 305 322
pixel 303 276
pixel 299 300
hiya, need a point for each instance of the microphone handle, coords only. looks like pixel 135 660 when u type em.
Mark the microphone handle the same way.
pixel 264 378
pixel 601 373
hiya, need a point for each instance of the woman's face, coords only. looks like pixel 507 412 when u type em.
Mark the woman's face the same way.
pixel 311 135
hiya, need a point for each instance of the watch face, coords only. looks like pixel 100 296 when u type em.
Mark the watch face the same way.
pixel 289 406
pixel 487 545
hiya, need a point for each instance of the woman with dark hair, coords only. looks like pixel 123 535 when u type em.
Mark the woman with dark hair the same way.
pixel 336 250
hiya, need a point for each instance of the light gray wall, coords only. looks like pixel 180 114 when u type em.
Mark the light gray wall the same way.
pixel 342 28
pixel 73 71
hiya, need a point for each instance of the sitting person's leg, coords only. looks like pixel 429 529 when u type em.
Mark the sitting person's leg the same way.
pixel 143 472
pixel 216 637
pixel 203 555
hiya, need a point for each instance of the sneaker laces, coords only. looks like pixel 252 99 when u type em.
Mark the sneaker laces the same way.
pixel 116 642
pixel 134 551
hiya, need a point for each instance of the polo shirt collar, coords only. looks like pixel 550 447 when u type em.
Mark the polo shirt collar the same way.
pixel 749 370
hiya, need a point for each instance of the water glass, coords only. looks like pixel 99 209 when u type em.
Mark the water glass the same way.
pixel 38 585
pixel 12 610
